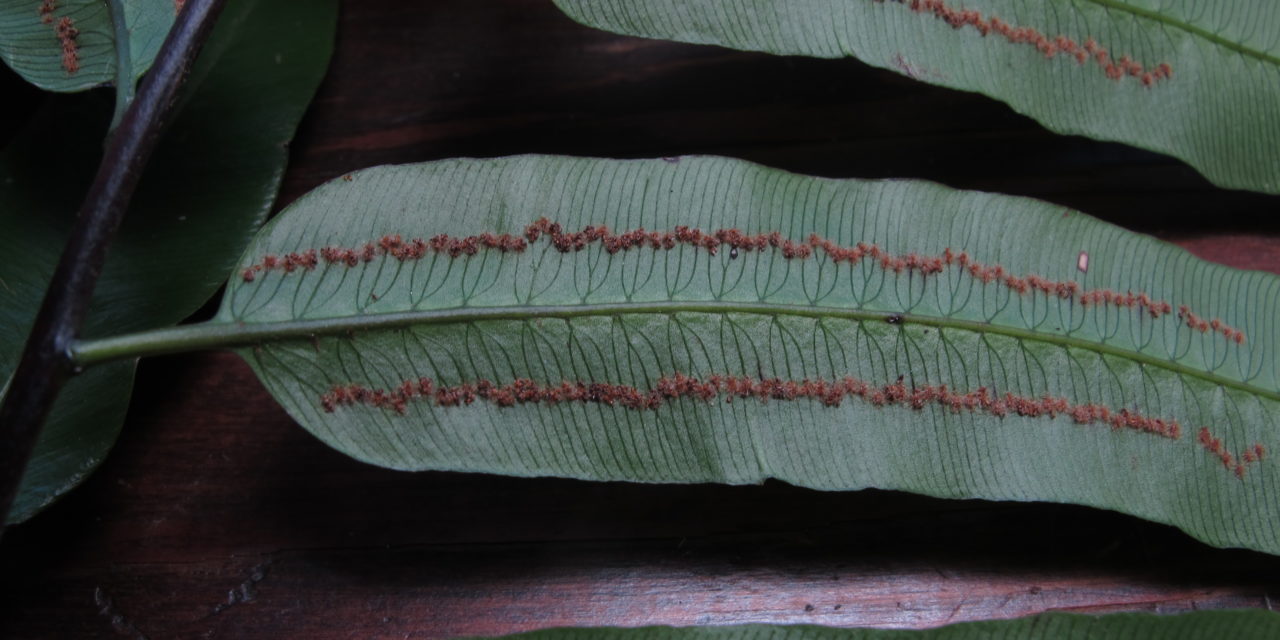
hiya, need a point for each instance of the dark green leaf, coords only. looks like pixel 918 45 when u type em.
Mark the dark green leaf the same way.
pixel 209 187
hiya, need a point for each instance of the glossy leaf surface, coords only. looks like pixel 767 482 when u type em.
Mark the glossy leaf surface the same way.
pixel 1190 79
pixel 735 323
pixel 208 188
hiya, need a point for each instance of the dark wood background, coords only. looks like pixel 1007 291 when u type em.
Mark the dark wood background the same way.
pixel 217 517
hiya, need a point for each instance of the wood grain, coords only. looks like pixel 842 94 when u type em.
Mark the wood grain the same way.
pixel 217 517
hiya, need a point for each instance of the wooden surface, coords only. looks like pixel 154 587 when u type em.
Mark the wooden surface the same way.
pixel 217 517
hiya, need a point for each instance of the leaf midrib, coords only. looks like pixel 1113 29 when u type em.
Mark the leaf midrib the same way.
pixel 221 334
pixel 1188 27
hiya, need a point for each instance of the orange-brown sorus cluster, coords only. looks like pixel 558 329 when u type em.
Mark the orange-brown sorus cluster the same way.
pixel 1049 46
pixel 1204 326
pixel 67 33
pixel 831 393
pixel 392 245
pixel 522 391
pixel 712 242
pixel 1252 455
pixel 47 8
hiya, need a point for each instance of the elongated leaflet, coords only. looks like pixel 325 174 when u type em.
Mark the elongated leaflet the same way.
pixel 589 318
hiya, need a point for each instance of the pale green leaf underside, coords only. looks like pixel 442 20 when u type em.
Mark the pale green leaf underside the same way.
pixel 30 43
pixel 1215 111
pixel 1242 625
pixel 639 315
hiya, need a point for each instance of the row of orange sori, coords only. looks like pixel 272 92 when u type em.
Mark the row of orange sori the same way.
pixel 65 30
pixel 1252 455
pixel 1049 46
pixel 831 393
pixel 571 241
